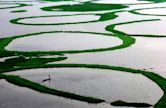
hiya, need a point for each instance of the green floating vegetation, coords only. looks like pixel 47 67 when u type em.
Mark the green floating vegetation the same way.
pixel 18 11
pixel 18 5
pixel 127 41
pixel 150 14
pixel 112 29
pixel 34 60
pixel 18 20
pixel 84 7
pixel 103 17
pixel 24 61
pixel 108 16
pixel 127 104
pixel 43 89
pixel 152 76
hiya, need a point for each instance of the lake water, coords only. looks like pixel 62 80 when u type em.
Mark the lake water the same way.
pixel 127 34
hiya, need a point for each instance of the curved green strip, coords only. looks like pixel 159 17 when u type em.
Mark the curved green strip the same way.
pixel 84 7
pixel 130 104
pixel 18 11
pixel 25 61
pixel 127 41
pixel 112 29
pixel 19 5
pixel 103 17
pixel 17 21
pixel 43 89
pixel 152 76
pixel 21 62
pixel 135 11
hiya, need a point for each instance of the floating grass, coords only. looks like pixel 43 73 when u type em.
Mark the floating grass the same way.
pixel 18 11
pixel 128 104
pixel 115 31
pixel 135 11
pixel 84 7
pixel 34 60
pixel 103 17
pixel 127 41
pixel 43 89
pixel 152 76
pixel 17 5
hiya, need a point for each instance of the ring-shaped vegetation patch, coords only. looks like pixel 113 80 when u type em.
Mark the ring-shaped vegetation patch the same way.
pixel 102 17
pixel 126 42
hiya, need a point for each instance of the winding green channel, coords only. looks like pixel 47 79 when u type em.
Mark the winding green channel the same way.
pixel 21 60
